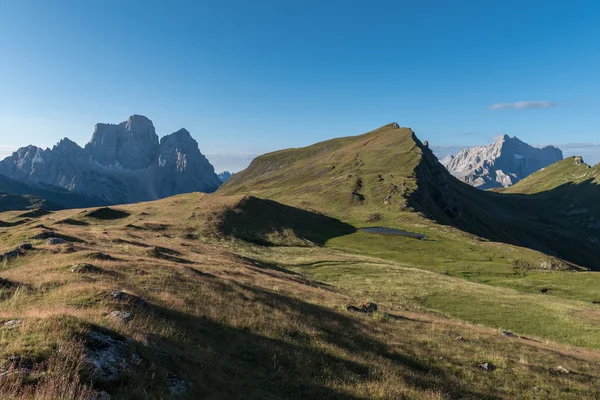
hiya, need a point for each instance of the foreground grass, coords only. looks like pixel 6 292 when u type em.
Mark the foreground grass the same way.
pixel 451 252
pixel 234 320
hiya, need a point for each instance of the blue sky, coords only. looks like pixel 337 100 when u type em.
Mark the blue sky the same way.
pixel 247 77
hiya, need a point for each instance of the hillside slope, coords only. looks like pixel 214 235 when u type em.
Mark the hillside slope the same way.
pixel 18 195
pixel 353 176
pixel 389 177
pixel 161 300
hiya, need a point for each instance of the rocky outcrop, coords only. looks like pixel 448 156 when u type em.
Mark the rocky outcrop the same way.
pixel 501 164
pixel 433 196
pixel 122 163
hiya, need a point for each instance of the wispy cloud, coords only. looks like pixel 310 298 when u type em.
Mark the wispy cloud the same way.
pixel 578 145
pixel 523 105
pixel 232 162
pixel 443 152
pixel 6 151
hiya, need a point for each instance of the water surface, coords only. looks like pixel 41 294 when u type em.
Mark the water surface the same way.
pixel 392 232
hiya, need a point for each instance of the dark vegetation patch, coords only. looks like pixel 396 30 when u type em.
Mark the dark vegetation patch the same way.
pixel 71 221
pixel 107 213
pixel 131 242
pixel 85 268
pixel 51 234
pixel 4 224
pixel 270 223
pixel 374 217
pixel 40 212
pixel 131 226
pixel 167 254
pixel 100 256
pixel 155 227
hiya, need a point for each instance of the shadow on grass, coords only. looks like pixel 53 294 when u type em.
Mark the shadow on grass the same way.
pixel 269 223
pixel 561 222
pixel 292 363
pixel 266 268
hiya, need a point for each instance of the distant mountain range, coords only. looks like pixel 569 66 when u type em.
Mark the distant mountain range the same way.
pixel 224 176
pixel 122 163
pixel 500 164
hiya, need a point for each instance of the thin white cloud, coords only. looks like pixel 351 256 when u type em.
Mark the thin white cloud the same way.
pixel 523 105
pixel 6 151
pixel 232 162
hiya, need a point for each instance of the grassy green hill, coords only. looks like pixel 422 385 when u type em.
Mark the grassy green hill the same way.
pixel 389 177
pixel 571 171
pixel 166 300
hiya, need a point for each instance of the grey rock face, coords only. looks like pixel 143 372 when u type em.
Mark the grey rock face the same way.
pixel 224 176
pixel 178 154
pixel 123 163
pixel 501 164
pixel 131 145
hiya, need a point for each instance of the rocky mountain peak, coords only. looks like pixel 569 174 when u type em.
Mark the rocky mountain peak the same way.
pixel 500 164
pixel 66 147
pixel 122 163
pixel 132 144
pixel 182 136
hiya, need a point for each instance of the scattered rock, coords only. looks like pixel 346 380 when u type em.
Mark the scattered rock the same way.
pixel 507 333
pixel 54 241
pixel 368 308
pixel 562 370
pixel 130 299
pixel 109 358
pixel 85 269
pixel 12 324
pixel 100 256
pixel 487 366
pixel 44 235
pixel 123 316
pixel 6 284
pixel 177 386
pixel 9 255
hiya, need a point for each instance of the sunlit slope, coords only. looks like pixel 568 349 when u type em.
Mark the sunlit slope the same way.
pixel 195 297
pixel 389 177
pixel 571 171
pixel 381 172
